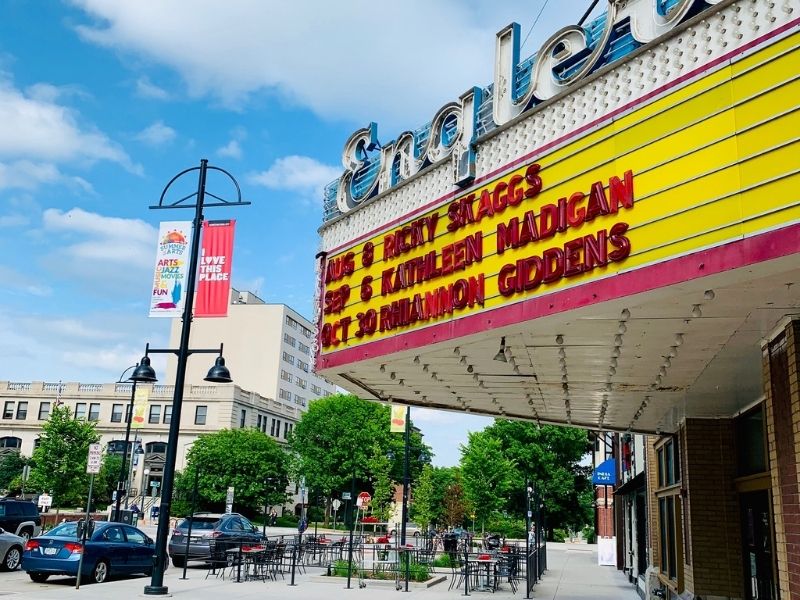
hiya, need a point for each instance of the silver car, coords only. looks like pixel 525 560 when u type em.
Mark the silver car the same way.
pixel 11 547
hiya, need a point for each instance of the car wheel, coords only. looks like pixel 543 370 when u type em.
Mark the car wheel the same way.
pixel 25 534
pixel 38 577
pixel 178 561
pixel 100 572
pixel 12 558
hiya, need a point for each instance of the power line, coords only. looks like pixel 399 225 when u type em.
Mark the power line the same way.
pixel 536 20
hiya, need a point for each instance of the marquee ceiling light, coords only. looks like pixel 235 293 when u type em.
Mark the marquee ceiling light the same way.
pixel 416 360
pixel 709 295
pixel 425 368
pixel 516 370
pixel 625 314
pixel 614 362
pixel 662 371
pixel 559 339
pixel 696 311
pixel 402 382
pixel 463 360
pixel 615 352
pixel 475 377
pixel 612 371
pixel 501 353
pixel 564 379
pixel 457 351
pixel 673 351
pixel 678 339
pixel 470 368
pixel 622 328
pixel 383 368
pixel 392 375
pixel 667 362
pixel 562 353
pixel 618 340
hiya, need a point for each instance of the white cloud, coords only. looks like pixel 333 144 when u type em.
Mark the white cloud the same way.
pixel 37 129
pixel 29 175
pixel 298 174
pixel 358 60
pixel 156 134
pixel 18 283
pixel 231 150
pixel 128 242
pixel 147 89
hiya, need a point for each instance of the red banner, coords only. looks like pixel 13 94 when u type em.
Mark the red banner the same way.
pixel 214 276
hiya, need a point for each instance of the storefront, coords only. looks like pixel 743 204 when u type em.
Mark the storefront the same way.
pixel 605 238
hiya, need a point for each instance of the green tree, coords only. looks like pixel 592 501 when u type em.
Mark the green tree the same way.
pixel 548 458
pixel 105 482
pixel 456 504
pixel 246 459
pixel 59 462
pixel 487 474
pixel 11 465
pixel 429 505
pixel 342 436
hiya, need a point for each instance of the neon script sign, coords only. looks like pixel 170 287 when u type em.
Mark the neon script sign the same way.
pixel 565 58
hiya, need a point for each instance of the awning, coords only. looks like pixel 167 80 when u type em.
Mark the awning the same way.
pixel 631 486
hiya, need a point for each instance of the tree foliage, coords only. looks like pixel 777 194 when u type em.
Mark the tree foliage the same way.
pixel 487 474
pixel 439 498
pixel 11 464
pixel 59 462
pixel 251 462
pixel 341 436
pixel 547 458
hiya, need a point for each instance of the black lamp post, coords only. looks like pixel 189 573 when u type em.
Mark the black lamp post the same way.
pixel 267 486
pixel 123 473
pixel 218 373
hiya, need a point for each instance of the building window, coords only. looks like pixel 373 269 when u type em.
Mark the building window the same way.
pixel 44 411
pixel 284 394
pixel 302 383
pixel 288 358
pixel 22 411
pixel 751 454
pixel 307 332
pixel 128 410
pixel 286 376
pixel 80 411
pixel 285 430
pixel 168 414
pixel 272 427
pixel 302 365
pixel 289 339
pixel 156 448
pixel 8 410
pixel 94 411
pixel 316 389
pixel 668 495
pixel 116 413
pixel 299 400
pixel 243 418
pixel 10 442
pixel 155 413
pixel 200 414
pixel 291 322
pixel 258 422
pixel 303 348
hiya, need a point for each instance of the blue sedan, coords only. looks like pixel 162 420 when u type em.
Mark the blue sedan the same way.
pixel 112 549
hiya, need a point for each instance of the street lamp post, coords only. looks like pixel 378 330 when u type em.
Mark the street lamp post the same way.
pixel 267 486
pixel 123 471
pixel 157 587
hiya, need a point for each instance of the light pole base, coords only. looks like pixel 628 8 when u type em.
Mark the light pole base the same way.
pixel 156 590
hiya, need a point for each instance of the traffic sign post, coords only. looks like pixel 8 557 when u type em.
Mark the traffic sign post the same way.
pixel 363 500
pixel 93 463
pixel 229 501
pixel 336 504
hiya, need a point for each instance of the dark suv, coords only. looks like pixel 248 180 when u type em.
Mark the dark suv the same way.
pixel 225 529
pixel 20 517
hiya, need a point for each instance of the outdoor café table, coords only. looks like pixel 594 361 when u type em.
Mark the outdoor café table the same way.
pixel 483 566
pixel 244 556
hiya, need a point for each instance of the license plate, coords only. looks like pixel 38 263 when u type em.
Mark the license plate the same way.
pixel 51 551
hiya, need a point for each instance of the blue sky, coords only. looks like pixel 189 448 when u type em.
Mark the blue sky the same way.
pixel 101 103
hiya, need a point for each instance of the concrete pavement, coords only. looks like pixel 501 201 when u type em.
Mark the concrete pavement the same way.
pixel 573 574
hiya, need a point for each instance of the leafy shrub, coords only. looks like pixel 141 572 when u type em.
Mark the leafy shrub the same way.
pixel 589 535
pixel 559 535
pixel 286 521
pixel 443 561
pixel 507 527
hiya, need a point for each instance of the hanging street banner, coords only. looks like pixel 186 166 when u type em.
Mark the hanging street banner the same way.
pixel 172 260
pixel 214 276
pixel 398 419
pixel 605 473
pixel 140 407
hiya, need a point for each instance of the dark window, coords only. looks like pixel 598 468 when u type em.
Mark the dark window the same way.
pixel 10 442
pixel 44 411
pixel 22 411
pixel 80 410
pixel 113 534
pixel 135 536
pixel 128 409
pixel 669 508
pixel 116 413
pixel 8 410
pixel 156 448
pixel 168 414
pixel 155 413
pixel 272 427
pixel 200 414
pixel 94 411
pixel 243 418
pixel 751 456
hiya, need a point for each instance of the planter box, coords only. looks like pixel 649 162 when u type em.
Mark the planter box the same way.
pixel 385 583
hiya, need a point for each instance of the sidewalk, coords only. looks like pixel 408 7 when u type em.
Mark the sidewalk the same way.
pixel 573 574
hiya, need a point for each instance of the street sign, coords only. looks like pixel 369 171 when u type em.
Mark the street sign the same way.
pixel 346 496
pixel 336 504
pixel 155 484
pixel 45 501
pixel 229 501
pixel 95 459
pixel 26 472
pixel 363 499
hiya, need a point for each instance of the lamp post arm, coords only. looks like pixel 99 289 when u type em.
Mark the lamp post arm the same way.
pixel 123 471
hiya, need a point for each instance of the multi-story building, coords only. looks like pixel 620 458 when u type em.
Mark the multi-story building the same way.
pixel 267 347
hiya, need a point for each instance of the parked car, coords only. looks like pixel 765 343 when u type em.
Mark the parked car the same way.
pixel 224 529
pixel 112 549
pixel 411 529
pixel 20 517
pixel 11 547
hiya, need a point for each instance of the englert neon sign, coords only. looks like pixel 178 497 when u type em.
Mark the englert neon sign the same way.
pixel 565 58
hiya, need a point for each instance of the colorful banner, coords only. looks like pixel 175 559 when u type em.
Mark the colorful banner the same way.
pixel 214 275
pixel 398 419
pixel 172 260
pixel 139 416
